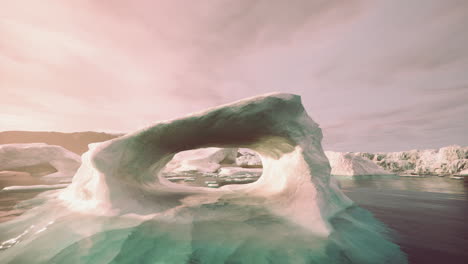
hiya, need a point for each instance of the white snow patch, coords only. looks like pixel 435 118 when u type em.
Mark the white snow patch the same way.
pixel 34 187
pixel 248 158
pixel 232 171
pixel 350 164
pixel 23 155
pixel 201 160
pixel 449 160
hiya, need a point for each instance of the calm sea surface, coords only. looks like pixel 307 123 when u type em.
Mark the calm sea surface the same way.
pixel 429 214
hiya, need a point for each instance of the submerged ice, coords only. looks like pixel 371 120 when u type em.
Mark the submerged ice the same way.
pixel 119 208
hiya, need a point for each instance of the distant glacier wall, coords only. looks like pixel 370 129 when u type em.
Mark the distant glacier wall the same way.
pixel 449 160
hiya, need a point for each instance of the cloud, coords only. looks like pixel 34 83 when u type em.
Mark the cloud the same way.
pixel 377 75
pixel 424 125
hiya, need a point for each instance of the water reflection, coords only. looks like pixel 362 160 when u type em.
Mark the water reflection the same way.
pixel 431 184
pixel 428 213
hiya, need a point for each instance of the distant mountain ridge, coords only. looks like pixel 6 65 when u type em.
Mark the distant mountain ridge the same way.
pixel 76 142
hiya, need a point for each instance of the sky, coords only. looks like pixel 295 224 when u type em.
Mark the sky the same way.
pixel 377 75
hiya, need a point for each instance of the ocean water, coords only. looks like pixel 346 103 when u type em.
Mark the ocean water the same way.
pixel 427 217
pixel 9 208
pixel 428 214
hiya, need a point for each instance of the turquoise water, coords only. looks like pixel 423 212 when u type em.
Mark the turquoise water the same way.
pixel 218 232
pixel 258 238
pixel 426 217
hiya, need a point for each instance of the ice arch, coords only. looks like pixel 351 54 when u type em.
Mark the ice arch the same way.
pixel 119 210
pixel 119 176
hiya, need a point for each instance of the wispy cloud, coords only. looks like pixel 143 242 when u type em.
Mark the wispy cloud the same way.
pixel 377 75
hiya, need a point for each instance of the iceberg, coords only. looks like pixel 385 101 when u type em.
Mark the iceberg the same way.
pixel 350 164
pixel 17 156
pixel 449 160
pixel 120 209
pixel 233 171
pixel 201 160
pixel 463 172
pixel 248 158
pixel 26 188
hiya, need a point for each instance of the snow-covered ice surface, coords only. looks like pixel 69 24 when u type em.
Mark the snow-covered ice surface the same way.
pixel 17 156
pixel 26 188
pixel 119 209
pixel 449 160
pixel 201 160
pixel 232 171
pixel 248 158
pixel 350 164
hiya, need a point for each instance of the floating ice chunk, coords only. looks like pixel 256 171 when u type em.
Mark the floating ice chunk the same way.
pixel 209 174
pixel 202 160
pixel 209 182
pixel 17 156
pixel 228 171
pixel 241 180
pixel 33 188
pixel 248 158
pixel 350 164
pixel 178 178
pixel 189 179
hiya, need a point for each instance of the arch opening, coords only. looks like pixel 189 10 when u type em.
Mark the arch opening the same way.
pixel 124 175
pixel 229 172
pixel 214 167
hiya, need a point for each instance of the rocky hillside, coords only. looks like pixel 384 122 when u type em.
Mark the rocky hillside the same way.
pixel 76 142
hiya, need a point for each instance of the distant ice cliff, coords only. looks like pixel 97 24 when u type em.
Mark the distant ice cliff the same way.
pixel 450 160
